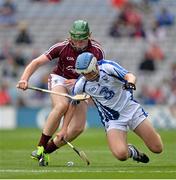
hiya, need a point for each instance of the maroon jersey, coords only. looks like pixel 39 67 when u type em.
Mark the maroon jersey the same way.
pixel 67 56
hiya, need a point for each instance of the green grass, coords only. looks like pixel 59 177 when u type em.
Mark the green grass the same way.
pixel 16 146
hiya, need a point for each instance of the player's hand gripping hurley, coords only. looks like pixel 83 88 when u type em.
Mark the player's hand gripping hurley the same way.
pixel 78 97
pixel 81 154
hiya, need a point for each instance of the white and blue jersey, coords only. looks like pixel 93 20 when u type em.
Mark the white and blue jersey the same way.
pixel 108 94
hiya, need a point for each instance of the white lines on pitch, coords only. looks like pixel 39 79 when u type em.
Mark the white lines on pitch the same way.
pixel 72 171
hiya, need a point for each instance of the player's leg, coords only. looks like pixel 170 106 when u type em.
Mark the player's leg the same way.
pixel 78 121
pixel 76 126
pixel 149 135
pixel 117 141
pixel 59 107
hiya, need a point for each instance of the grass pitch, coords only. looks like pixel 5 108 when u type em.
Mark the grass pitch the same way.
pixel 16 146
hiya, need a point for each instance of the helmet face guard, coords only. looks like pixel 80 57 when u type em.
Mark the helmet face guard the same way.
pixel 79 45
pixel 79 36
pixel 92 76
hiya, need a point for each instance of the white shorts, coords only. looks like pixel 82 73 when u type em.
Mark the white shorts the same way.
pixel 130 117
pixel 56 80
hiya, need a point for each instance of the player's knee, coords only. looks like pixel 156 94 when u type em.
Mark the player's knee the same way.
pixel 77 126
pixel 61 107
pixel 77 130
pixel 157 148
pixel 121 155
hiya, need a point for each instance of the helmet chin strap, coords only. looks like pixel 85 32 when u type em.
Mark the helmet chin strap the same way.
pixel 95 77
pixel 80 49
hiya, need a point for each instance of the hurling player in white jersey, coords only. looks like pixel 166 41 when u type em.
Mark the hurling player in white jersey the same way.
pixel 111 88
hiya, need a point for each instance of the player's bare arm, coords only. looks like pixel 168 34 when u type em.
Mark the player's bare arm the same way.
pixel 130 78
pixel 131 81
pixel 30 69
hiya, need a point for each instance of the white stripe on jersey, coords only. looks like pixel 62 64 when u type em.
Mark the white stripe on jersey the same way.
pixel 98 46
pixel 64 44
pixel 107 93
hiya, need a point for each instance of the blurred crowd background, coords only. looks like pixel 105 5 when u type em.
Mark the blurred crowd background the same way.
pixel 138 34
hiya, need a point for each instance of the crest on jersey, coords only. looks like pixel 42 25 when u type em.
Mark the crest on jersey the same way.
pixel 93 89
pixel 70 59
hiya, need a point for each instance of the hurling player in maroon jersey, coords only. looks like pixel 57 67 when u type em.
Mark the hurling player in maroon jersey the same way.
pixel 61 79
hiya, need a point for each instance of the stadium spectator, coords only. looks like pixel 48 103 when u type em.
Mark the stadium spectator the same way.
pixel 130 15
pixel 158 95
pixel 147 64
pixel 128 23
pixel 155 33
pixel 156 52
pixel 120 29
pixel 150 95
pixel 14 59
pixel 5 51
pixel 61 80
pixel 19 58
pixel 8 14
pixel 43 83
pixel 10 69
pixel 23 35
pixel 138 31
pixel 145 95
pixel 111 88
pixel 4 95
pixel 119 4
pixel 165 18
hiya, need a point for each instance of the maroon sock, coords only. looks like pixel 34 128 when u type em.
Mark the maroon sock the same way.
pixel 44 140
pixel 51 147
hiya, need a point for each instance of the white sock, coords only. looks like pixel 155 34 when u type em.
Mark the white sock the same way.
pixel 132 152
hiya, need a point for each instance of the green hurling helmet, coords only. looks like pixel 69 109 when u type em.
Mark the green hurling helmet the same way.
pixel 80 30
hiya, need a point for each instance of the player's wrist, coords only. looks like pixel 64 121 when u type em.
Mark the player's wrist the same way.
pixel 129 85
